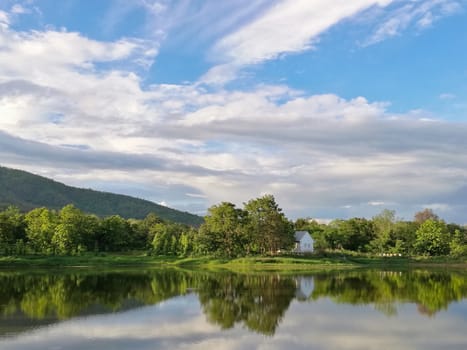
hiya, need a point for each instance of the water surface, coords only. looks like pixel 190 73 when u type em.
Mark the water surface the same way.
pixel 170 309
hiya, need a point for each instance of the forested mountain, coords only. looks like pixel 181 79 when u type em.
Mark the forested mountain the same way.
pixel 28 191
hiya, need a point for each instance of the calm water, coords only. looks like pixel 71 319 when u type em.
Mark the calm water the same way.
pixel 187 310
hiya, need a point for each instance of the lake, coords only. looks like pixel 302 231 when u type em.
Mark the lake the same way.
pixel 172 309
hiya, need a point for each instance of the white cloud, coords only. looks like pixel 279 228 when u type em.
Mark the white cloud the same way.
pixel 447 96
pixel 377 203
pixel 4 20
pixel 287 27
pixel 220 74
pixel 314 152
pixel 420 13
pixel 19 9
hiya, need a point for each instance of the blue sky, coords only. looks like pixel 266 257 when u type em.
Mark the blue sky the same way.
pixel 337 108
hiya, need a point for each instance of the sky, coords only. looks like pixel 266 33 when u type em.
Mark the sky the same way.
pixel 337 108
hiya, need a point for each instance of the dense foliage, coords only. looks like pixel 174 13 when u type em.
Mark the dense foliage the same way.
pixel 28 191
pixel 259 228
pixel 385 235
pixel 70 231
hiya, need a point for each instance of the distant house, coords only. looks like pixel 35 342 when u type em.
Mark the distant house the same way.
pixel 303 242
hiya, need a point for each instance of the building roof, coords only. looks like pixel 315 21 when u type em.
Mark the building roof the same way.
pixel 299 235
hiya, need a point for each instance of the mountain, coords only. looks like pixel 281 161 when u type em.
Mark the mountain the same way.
pixel 28 191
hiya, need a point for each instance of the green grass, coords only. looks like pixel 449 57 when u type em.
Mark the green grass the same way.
pixel 102 260
pixel 277 263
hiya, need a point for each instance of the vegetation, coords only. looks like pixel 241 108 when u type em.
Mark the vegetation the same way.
pixel 71 232
pixel 260 228
pixel 384 235
pixel 256 301
pixel 27 191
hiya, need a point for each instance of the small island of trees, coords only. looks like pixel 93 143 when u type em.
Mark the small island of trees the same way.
pixel 259 228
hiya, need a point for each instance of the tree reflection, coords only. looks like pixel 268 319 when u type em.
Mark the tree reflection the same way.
pixel 257 302
pixel 431 291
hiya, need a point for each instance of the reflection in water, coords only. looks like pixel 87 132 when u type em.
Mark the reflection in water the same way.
pixel 431 291
pixel 259 303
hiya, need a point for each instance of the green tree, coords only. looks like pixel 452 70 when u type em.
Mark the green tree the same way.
pixel 333 236
pixel 144 227
pixel 67 237
pixel 114 234
pixel 458 245
pixel 432 238
pixel 269 228
pixel 403 236
pixel 167 237
pixel 186 242
pixel 384 224
pixel 356 233
pixel 161 238
pixel 224 230
pixel 12 228
pixel 40 228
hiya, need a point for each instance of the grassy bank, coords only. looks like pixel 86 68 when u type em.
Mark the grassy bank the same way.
pixel 286 263
pixel 134 260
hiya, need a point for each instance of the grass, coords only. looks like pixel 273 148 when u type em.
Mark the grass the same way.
pixel 102 260
pixel 329 261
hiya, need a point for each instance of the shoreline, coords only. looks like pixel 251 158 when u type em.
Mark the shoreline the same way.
pixel 257 263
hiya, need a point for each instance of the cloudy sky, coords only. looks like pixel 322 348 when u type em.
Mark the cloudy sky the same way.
pixel 337 108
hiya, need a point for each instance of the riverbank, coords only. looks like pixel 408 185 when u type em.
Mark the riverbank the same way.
pixel 277 263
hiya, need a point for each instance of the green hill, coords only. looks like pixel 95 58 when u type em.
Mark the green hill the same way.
pixel 28 191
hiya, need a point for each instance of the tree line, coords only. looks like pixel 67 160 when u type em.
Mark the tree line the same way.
pixel 259 228
pixel 426 234
pixel 70 231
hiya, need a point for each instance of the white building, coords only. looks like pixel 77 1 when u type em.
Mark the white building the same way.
pixel 303 242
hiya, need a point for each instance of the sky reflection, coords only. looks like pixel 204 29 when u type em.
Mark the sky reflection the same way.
pixel 180 323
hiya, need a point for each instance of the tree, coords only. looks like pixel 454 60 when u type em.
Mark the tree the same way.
pixel 12 227
pixel 384 225
pixel 458 245
pixel 144 227
pixel 114 234
pixel 403 236
pixel 40 228
pixel 187 240
pixel 356 234
pixel 269 228
pixel 424 215
pixel 167 239
pixel 160 242
pixel 432 238
pixel 224 230
pixel 67 238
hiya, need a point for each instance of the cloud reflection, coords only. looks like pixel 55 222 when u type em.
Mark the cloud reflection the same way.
pixel 180 324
